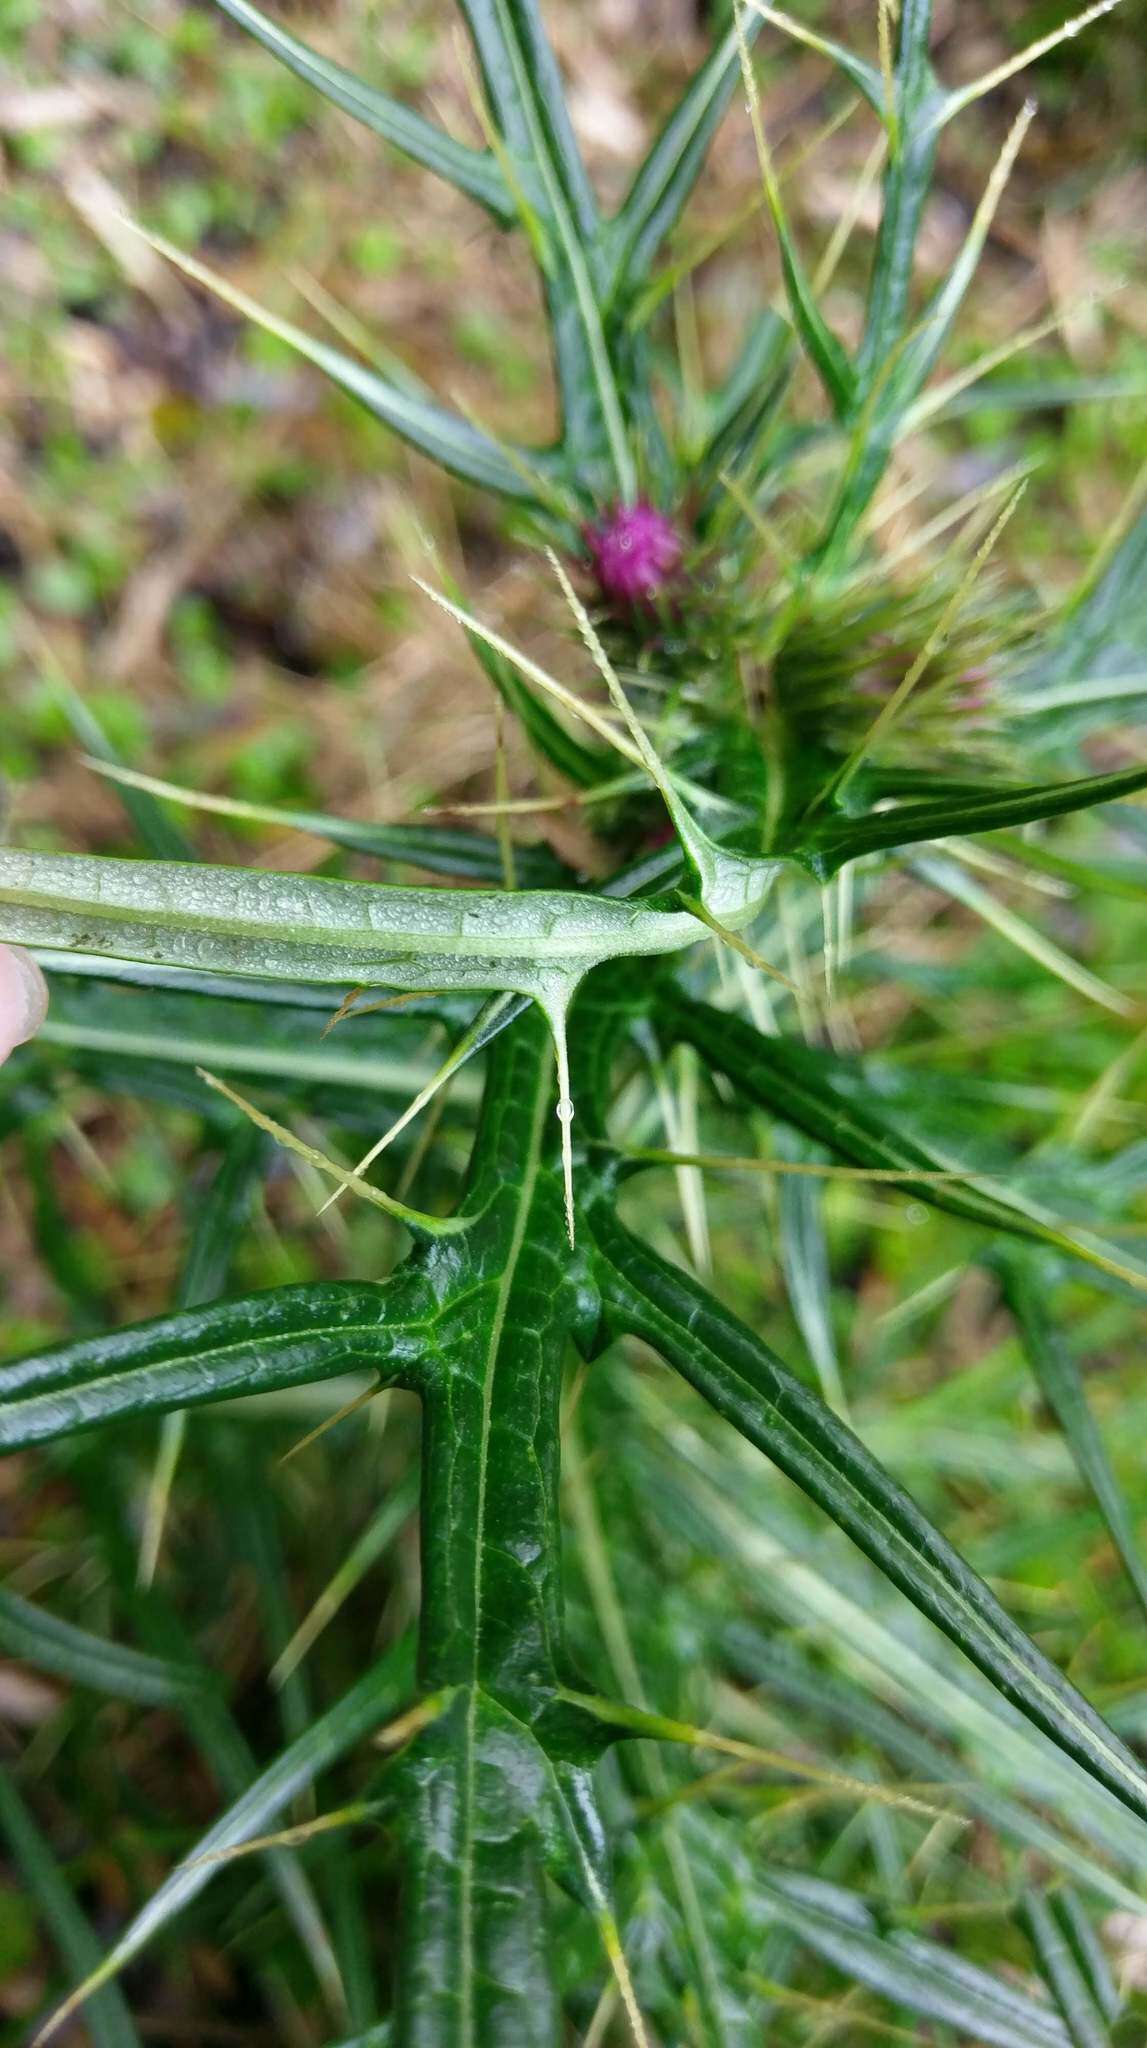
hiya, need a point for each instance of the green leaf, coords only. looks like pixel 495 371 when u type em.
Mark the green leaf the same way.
pixel 477 1782
pixel 448 439
pixel 109 2022
pixel 584 766
pixel 1102 635
pixel 646 1297
pixel 525 93
pixel 893 364
pixel 285 1338
pixel 865 77
pixel 1124 879
pixel 477 1328
pixel 472 171
pixel 1083 2023
pixel 51 1644
pixel 476 1787
pixel 828 846
pixel 1027 1284
pixel 857 1714
pixel 907 182
pixel 357 1716
pixel 751 388
pixel 664 181
pixel 1084 1944
pixel 919 1975
pixel 804 1261
pixel 161 837
pixel 111 1027
pixel 218 1215
pixel 827 354
pixel 537 943
pixel 833 1101
pixel 438 849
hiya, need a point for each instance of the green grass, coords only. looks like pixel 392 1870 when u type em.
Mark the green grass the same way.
pixel 215 554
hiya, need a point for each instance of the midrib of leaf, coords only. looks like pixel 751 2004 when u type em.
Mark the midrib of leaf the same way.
pixel 523 1207
pixel 574 254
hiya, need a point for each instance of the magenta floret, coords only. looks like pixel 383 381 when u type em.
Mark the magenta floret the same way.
pixel 636 553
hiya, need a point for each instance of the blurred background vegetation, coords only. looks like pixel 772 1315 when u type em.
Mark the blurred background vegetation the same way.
pixel 215 552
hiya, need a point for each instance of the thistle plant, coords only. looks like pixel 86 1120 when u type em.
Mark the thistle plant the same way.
pixel 765 718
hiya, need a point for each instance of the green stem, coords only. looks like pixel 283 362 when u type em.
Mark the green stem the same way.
pixel 476 1970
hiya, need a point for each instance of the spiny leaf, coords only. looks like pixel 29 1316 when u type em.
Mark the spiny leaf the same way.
pixel 826 352
pixel 864 76
pixel 907 181
pixel 833 1101
pixel 459 447
pixel 472 171
pixel 525 93
pixel 354 934
pixel 284 1338
pixel 747 1384
pixel 827 845
pixel 955 102
pixel 439 849
pixel 664 181
pixel 890 379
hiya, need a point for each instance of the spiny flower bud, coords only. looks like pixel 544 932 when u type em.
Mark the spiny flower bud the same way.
pixel 636 552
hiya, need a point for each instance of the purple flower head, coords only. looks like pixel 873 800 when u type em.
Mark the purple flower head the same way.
pixel 636 553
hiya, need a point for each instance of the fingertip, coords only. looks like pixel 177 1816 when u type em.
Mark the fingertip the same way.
pixel 23 998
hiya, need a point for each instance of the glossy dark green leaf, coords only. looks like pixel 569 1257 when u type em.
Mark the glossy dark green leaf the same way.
pixel 646 1297
pixel 478 1786
pixel 285 1338
pixel 473 171
pixel 828 845
pixel 1027 1287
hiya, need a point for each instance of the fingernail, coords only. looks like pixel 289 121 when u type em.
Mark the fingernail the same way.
pixel 23 998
